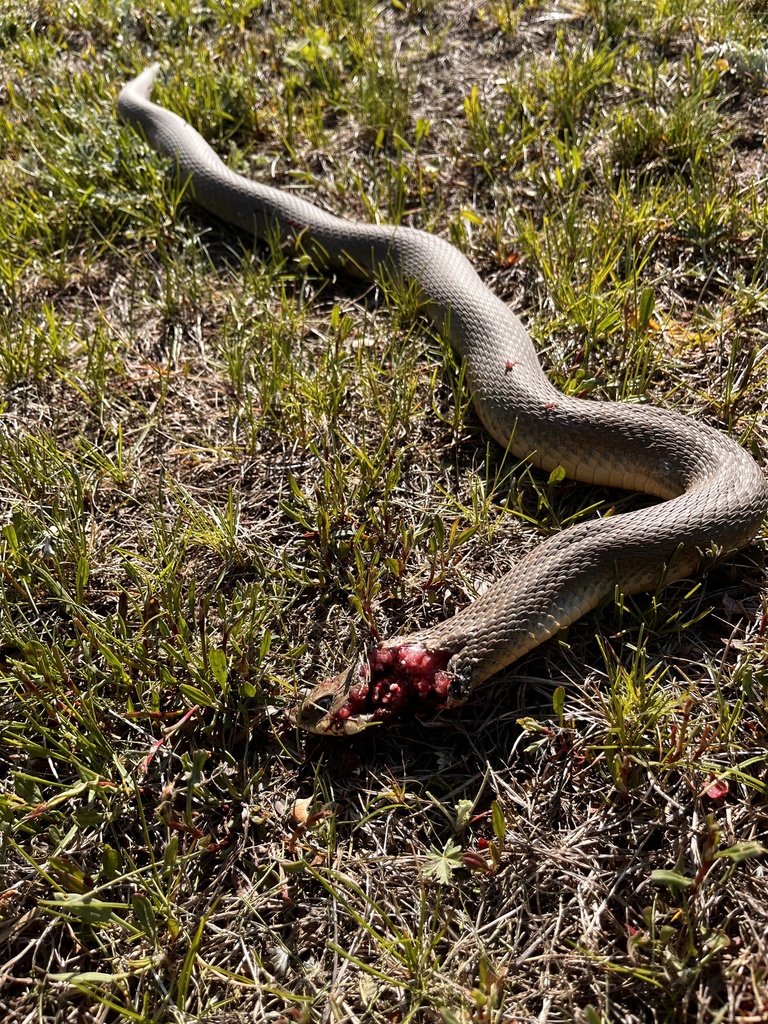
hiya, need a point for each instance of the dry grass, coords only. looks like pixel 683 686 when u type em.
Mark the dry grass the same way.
pixel 221 472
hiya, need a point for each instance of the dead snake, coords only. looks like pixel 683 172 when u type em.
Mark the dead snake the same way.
pixel 713 493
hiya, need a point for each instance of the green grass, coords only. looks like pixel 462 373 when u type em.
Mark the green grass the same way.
pixel 222 473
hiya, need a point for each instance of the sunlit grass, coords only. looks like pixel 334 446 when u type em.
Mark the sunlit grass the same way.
pixel 223 473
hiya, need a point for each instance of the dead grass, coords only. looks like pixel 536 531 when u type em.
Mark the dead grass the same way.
pixel 220 472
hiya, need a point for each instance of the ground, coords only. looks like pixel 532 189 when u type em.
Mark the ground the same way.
pixel 223 474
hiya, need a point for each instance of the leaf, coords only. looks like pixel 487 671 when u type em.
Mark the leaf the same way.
pixel 171 852
pixel 144 915
pixel 531 725
pixel 264 646
pixel 464 810
pixel 494 852
pixel 717 790
pixel 440 864
pixel 97 913
pixel 740 851
pixel 672 879
pixel 499 822
pixel 421 129
pixel 110 862
pixel 477 862
pixel 218 661
pixel 10 535
pixel 81 581
pixel 69 876
pixel 558 703
pixel 198 696
pixel 88 977
pixel 645 309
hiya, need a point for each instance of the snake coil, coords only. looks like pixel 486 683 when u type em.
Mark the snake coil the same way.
pixel 713 493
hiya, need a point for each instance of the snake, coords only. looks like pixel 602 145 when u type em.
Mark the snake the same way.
pixel 713 495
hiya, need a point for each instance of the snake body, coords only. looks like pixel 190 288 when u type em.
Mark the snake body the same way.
pixel 713 493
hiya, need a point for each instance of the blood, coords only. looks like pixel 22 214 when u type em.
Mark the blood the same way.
pixel 397 681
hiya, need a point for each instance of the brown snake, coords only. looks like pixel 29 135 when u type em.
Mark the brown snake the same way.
pixel 714 495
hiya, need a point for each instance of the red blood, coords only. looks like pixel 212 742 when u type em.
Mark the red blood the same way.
pixel 397 681
pixel 359 693
pixel 442 682
pixel 385 656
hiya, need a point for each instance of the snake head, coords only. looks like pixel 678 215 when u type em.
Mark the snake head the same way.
pixel 394 680
pixel 328 709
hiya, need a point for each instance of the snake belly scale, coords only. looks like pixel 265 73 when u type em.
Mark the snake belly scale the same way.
pixel 713 492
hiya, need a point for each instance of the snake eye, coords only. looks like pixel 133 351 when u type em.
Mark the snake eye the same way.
pixel 325 702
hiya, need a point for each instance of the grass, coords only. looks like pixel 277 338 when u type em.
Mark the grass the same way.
pixel 222 473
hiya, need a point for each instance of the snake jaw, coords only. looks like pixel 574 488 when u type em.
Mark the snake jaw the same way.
pixel 397 679
pixel 325 710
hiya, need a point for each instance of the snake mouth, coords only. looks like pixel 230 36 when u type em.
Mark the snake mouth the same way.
pixel 391 682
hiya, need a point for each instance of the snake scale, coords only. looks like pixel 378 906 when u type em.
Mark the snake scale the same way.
pixel 714 495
